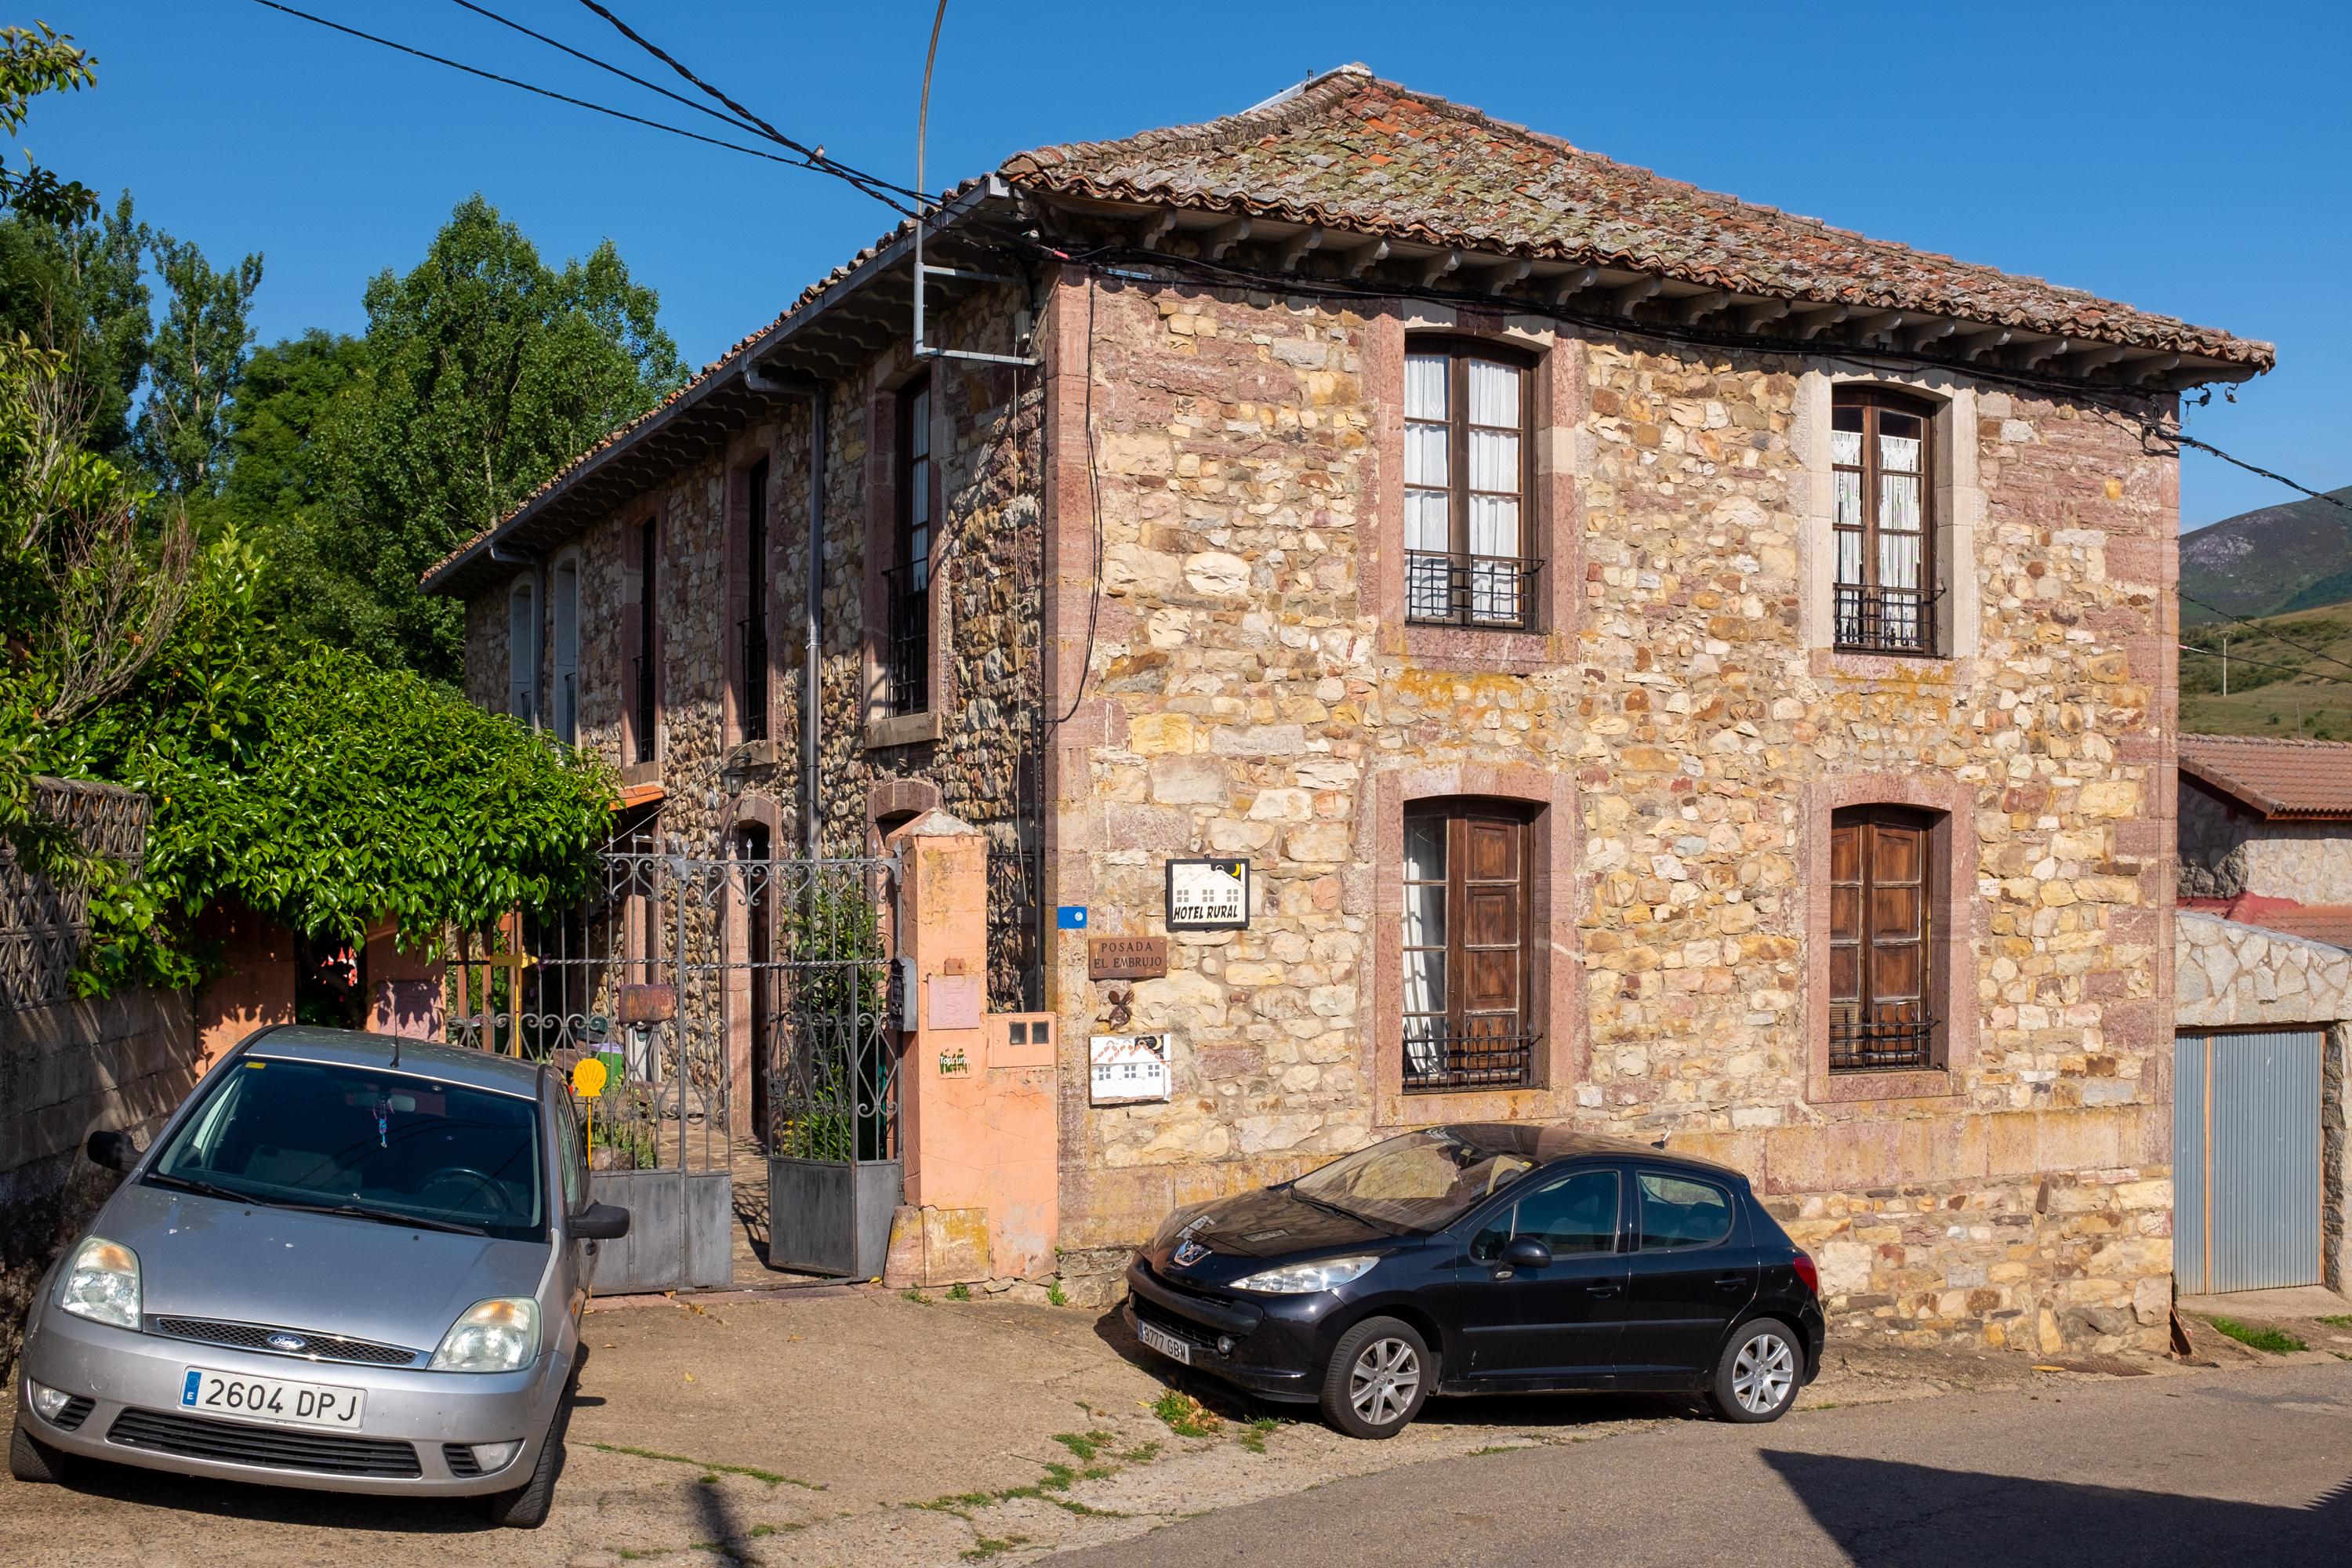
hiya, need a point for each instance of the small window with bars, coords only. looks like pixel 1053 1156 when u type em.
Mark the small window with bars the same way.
pixel 1467 1017
pixel 1465 489
pixel 1883 517
pixel 906 583
pixel 1882 948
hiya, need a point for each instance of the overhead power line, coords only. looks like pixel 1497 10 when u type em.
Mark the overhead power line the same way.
pixel 815 157
pixel 791 162
pixel 2265 632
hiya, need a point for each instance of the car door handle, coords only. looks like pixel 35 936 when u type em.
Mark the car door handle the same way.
pixel 1604 1288
pixel 1731 1281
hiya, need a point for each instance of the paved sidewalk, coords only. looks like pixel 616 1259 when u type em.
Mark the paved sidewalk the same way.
pixel 855 1427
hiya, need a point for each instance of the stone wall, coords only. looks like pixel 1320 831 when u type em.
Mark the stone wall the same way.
pixel 67 1070
pixel 1252 692
pixel 2225 852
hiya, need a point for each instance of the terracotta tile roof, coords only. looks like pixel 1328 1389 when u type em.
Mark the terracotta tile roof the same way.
pixel 2278 778
pixel 2328 923
pixel 1352 151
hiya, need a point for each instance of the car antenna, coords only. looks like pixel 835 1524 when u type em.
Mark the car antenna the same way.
pixel 395 1060
pixel 1657 1142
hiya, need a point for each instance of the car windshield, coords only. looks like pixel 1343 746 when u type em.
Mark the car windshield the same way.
pixel 1419 1182
pixel 373 1142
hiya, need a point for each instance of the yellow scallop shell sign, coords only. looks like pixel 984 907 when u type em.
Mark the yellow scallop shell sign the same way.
pixel 588 1078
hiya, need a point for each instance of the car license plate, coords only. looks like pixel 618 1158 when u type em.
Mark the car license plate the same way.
pixel 272 1401
pixel 1166 1343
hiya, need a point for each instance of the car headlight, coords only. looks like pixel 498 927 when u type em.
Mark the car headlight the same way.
pixel 497 1335
pixel 103 1283
pixel 1299 1279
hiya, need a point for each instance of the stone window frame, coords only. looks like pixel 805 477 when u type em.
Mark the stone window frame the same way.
pixel 1957 498
pixel 744 453
pixel 1552 521
pixel 883 728
pixel 1555 971
pixel 654 512
pixel 1954 910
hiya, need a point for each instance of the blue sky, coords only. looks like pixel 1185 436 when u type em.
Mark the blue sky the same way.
pixel 2192 159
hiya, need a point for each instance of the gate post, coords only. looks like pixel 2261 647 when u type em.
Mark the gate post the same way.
pixel 977 1128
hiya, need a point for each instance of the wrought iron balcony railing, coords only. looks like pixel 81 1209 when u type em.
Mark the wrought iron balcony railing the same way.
pixel 908 595
pixel 1861 1045
pixel 1480 1059
pixel 1448 588
pixel 1886 620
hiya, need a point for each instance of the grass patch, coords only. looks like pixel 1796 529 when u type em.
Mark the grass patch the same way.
pixel 916 1297
pixel 2338 1322
pixel 988 1546
pixel 712 1470
pixel 1084 1445
pixel 1055 1296
pixel 1497 1449
pixel 1186 1416
pixel 1072 1505
pixel 1141 1454
pixel 959 1291
pixel 1259 1429
pixel 2276 1341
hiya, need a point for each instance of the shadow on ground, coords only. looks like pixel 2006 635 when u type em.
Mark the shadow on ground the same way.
pixel 1525 1411
pixel 1883 1512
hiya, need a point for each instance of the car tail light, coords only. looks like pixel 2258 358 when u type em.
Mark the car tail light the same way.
pixel 1807 1272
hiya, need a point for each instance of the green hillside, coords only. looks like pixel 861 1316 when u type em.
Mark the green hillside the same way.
pixel 2281 680
pixel 2293 556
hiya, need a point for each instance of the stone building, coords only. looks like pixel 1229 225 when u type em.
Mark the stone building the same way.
pixel 1669 665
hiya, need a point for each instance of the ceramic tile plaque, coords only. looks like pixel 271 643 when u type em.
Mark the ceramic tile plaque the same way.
pixel 1129 1069
pixel 1208 895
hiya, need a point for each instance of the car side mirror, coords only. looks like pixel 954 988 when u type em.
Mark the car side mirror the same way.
pixel 115 1150
pixel 1527 1252
pixel 601 1221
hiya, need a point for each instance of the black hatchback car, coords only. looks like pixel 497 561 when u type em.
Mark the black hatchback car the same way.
pixel 1502 1257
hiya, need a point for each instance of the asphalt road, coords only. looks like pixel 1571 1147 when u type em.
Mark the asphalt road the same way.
pixel 2251 1469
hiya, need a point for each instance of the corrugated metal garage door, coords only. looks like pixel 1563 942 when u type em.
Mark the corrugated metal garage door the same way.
pixel 2245 1178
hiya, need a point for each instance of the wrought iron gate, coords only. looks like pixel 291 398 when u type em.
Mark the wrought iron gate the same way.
pixel 643 977
pixel 827 1031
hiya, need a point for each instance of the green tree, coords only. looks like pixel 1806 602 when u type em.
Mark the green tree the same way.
pixel 32 63
pixel 285 427
pixel 79 288
pixel 322 790
pixel 193 362
pixel 487 371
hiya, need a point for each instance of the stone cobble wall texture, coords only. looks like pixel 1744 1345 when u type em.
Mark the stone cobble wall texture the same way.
pixel 1258 700
pixel 1674 729
pixel 67 1070
pixel 2224 853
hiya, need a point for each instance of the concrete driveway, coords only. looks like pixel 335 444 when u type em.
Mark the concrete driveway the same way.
pixel 855 1427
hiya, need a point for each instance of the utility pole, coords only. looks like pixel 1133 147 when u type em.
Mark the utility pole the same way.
pixel 2225 664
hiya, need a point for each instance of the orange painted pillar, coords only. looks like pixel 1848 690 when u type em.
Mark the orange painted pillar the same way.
pixel 977 1121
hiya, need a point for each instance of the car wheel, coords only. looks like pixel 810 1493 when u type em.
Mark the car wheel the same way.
pixel 30 1459
pixel 1380 1373
pixel 1760 1372
pixel 527 1507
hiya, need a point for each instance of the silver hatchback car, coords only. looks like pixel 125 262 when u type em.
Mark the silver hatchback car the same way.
pixel 348 1262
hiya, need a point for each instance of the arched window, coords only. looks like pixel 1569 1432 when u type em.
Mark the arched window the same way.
pixel 1881 947
pixel 1469 1021
pixel 1465 487
pixel 565 590
pixel 522 653
pixel 1884 516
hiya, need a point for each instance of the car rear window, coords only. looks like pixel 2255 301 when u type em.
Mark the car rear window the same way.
pixel 1679 1212
pixel 378 1143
